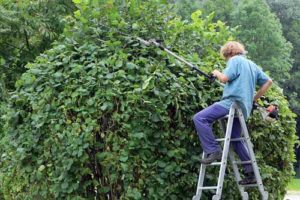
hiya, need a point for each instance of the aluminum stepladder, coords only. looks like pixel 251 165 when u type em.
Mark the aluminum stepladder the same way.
pixel 235 111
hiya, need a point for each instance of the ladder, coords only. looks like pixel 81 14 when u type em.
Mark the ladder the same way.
pixel 234 111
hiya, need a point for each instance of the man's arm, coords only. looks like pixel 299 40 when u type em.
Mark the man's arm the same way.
pixel 262 90
pixel 220 76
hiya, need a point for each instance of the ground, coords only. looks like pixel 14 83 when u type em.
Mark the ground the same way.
pixel 293 190
pixel 292 195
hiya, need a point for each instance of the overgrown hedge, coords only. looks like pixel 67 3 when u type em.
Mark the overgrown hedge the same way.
pixel 2 111
pixel 101 115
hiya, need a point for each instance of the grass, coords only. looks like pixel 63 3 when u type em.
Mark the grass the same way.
pixel 294 185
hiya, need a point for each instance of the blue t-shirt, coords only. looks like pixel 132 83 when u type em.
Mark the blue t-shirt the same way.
pixel 243 75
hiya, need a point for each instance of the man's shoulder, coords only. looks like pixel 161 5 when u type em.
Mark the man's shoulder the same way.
pixel 246 61
pixel 239 58
pixel 242 61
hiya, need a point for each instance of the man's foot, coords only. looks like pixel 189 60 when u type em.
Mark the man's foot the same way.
pixel 249 179
pixel 212 157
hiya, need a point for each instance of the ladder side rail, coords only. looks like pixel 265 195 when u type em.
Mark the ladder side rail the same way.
pixel 225 153
pixel 237 175
pixel 200 180
pixel 252 155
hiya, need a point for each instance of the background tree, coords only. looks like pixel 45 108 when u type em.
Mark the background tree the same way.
pixel 259 30
pixel 289 15
pixel 186 7
pixel 27 28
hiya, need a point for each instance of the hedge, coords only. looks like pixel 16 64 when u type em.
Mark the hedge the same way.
pixel 102 116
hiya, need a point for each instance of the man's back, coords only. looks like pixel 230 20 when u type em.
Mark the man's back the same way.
pixel 243 75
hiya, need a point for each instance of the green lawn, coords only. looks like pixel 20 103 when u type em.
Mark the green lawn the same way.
pixel 294 185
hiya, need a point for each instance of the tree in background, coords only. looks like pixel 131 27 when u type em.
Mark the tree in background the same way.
pixel 288 12
pixel 185 7
pixel 27 28
pixel 259 30
pixel 289 15
pixel 262 34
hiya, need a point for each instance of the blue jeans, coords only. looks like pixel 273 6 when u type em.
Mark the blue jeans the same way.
pixel 203 121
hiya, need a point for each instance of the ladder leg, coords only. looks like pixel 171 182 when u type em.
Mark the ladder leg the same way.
pixel 200 180
pixel 237 175
pixel 226 146
pixel 252 155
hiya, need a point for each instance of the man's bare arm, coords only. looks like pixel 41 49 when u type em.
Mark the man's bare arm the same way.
pixel 262 90
pixel 221 77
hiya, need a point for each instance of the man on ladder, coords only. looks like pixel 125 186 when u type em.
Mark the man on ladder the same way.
pixel 240 77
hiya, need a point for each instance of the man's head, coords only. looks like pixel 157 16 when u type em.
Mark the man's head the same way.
pixel 232 48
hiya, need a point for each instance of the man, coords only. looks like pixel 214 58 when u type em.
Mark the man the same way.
pixel 240 78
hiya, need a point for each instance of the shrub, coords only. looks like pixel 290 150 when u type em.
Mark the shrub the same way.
pixel 102 116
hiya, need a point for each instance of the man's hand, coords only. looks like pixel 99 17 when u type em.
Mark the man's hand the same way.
pixel 216 72
pixel 221 77
pixel 262 90
pixel 254 106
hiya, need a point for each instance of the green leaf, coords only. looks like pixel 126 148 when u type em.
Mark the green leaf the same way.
pixel 77 1
pixel 146 83
pixel 104 190
pixel 77 13
pixel 123 158
pixel 41 168
pixel 2 61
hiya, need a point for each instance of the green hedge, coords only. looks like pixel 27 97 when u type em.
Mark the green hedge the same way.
pixel 102 116
pixel 2 111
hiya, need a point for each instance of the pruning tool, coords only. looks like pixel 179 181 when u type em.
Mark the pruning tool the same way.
pixel 157 43
pixel 268 114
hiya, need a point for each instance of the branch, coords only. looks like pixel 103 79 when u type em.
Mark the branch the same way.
pixel 21 49
pixel 26 37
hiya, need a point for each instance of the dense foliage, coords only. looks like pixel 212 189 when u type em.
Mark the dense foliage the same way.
pixel 289 15
pixel 185 7
pixel 27 28
pixel 260 31
pixel 102 116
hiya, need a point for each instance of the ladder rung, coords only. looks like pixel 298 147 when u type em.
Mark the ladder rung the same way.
pixel 237 139
pixel 215 163
pixel 243 162
pixel 208 188
pixel 231 140
pixel 227 116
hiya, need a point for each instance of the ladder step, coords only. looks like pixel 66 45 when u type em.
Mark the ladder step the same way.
pixel 227 116
pixel 237 139
pixel 231 140
pixel 208 188
pixel 220 139
pixel 215 163
pixel 242 162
